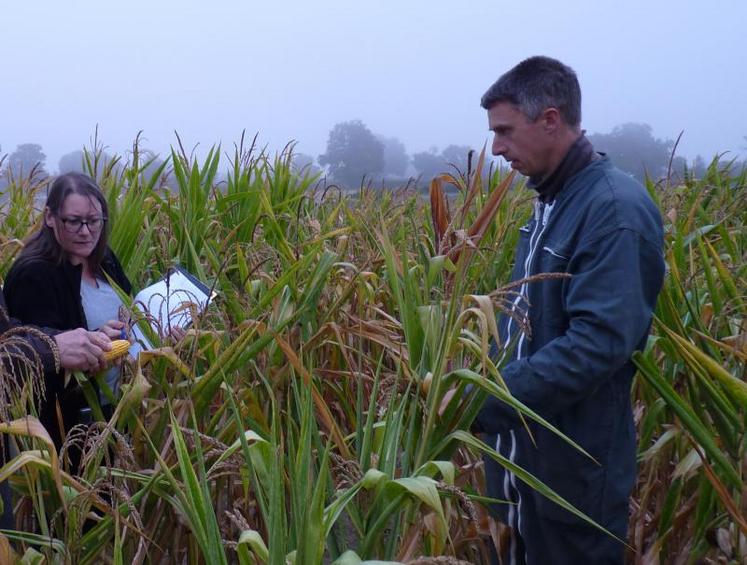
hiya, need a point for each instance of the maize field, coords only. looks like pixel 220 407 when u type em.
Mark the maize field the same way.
pixel 302 419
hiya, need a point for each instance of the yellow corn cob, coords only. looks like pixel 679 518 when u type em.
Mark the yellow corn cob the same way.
pixel 119 348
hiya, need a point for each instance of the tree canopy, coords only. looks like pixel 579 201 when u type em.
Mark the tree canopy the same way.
pixel 396 159
pixel 428 164
pixel 633 148
pixel 71 162
pixel 453 158
pixel 303 163
pixel 353 152
pixel 25 158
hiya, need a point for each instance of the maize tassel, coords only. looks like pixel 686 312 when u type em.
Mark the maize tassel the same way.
pixel 119 348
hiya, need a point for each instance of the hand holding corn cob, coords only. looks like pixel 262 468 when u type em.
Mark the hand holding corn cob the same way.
pixel 82 350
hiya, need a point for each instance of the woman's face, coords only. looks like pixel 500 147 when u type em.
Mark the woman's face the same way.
pixel 77 227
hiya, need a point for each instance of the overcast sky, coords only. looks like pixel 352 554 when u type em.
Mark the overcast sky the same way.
pixel 410 69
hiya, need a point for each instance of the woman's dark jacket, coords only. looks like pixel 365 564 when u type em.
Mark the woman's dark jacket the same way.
pixel 47 294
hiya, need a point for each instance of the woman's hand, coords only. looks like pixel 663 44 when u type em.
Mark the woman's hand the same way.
pixel 82 350
pixel 115 329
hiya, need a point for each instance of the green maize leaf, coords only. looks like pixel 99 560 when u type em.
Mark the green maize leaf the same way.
pixel 253 541
pixel 424 488
pixel 335 509
pixel 737 388
pixel 726 278
pixel 32 557
pixel 527 478
pixel 671 503
pixel 491 387
pixel 372 479
pixel 445 468
pixel 350 557
pixel 687 416
pixel 197 504
pixel 29 538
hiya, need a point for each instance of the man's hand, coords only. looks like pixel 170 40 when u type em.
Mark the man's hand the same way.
pixel 82 350
pixel 114 329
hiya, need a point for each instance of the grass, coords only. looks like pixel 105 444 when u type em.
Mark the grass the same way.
pixel 299 420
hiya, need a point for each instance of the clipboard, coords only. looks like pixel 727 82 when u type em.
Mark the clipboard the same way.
pixel 169 302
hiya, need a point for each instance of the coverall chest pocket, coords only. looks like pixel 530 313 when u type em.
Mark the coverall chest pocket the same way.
pixel 553 259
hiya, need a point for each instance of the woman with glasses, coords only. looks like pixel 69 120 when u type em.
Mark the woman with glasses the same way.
pixel 61 280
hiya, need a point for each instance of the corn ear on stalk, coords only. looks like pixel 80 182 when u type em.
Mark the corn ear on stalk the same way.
pixel 119 348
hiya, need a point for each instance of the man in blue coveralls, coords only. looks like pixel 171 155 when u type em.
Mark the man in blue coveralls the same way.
pixel 600 226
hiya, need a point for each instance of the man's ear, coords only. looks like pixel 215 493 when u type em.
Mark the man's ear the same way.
pixel 48 217
pixel 551 119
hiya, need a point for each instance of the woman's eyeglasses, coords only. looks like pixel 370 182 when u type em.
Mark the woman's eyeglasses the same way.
pixel 74 225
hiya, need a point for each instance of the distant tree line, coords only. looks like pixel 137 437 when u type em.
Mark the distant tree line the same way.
pixel 29 158
pixel 26 158
pixel 633 148
pixel 354 154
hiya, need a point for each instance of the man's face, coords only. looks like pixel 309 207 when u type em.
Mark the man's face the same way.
pixel 526 145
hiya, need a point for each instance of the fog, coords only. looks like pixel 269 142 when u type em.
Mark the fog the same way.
pixel 412 70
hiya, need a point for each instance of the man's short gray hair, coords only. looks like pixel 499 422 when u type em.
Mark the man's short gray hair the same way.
pixel 536 84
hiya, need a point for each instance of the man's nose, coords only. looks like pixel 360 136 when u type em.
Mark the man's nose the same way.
pixel 499 148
